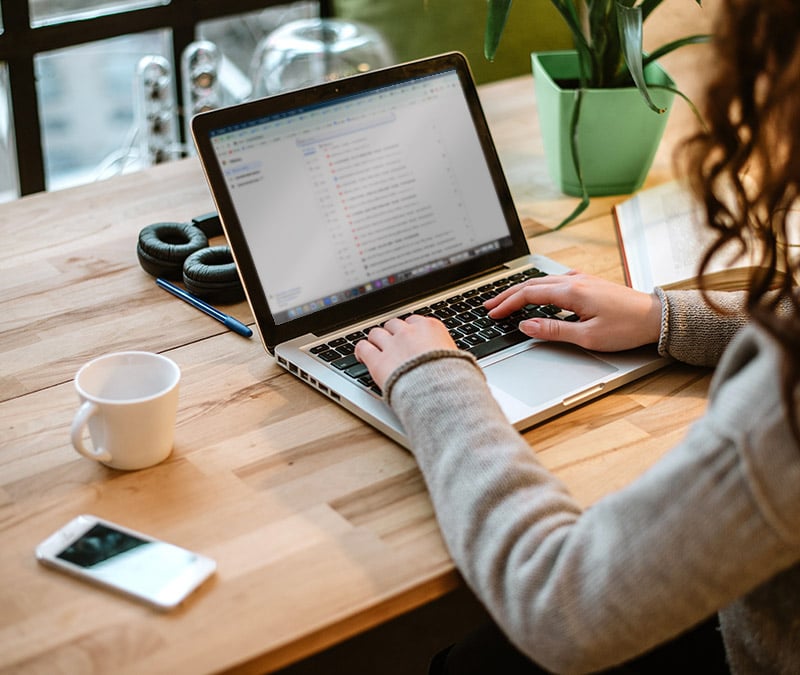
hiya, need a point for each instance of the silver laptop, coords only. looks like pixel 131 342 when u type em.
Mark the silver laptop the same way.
pixel 378 195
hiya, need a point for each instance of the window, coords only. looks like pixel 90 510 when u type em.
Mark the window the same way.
pixel 68 72
pixel 86 107
pixel 9 185
pixel 48 12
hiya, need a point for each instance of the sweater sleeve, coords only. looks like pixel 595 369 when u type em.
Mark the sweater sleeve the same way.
pixel 694 332
pixel 579 591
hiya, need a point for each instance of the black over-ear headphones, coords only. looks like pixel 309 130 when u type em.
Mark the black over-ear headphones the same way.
pixel 181 251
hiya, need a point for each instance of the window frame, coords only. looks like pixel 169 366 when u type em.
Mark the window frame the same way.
pixel 20 43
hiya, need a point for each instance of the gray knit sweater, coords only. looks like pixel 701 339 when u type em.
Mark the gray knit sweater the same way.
pixel 713 526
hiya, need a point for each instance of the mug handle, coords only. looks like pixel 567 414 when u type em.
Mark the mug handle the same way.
pixel 79 422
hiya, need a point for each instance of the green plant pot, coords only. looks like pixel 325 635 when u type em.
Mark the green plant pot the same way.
pixel 618 134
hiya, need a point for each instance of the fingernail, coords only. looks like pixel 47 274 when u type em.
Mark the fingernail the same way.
pixel 529 326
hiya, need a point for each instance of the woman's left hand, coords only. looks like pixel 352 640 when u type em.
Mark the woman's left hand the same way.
pixel 397 341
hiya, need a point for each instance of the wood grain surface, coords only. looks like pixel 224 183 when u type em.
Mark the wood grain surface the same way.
pixel 321 526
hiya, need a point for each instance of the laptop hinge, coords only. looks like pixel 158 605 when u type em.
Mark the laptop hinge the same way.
pixel 387 309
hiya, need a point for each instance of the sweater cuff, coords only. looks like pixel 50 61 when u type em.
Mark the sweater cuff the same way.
pixel 417 361
pixel 663 337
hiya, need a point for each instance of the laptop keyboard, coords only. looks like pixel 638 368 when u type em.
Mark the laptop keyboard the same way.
pixel 466 319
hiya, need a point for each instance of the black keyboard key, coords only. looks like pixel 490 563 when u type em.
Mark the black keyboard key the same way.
pixel 505 326
pixel 356 371
pixel 329 355
pixel 497 344
pixel 369 383
pixel 489 333
pixel 318 349
pixel 345 362
pixel 533 312
pixel 550 310
pixel 459 306
pixel 443 313
pixel 473 340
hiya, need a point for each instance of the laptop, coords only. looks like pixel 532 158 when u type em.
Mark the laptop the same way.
pixel 379 195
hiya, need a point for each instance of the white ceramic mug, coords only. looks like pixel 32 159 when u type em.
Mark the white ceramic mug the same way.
pixel 129 402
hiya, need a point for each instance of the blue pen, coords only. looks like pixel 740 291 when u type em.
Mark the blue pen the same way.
pixel 228 321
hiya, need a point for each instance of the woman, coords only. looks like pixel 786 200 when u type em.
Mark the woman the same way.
pixel 713 529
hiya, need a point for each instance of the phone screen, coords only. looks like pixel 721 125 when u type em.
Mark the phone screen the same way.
pixel 156 571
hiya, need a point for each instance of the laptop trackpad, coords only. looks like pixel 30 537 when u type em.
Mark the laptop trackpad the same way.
pixel 546 371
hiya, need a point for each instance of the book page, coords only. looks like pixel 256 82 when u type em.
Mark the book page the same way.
pixel 662 237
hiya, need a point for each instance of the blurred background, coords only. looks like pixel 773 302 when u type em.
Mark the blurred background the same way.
pixel 94 88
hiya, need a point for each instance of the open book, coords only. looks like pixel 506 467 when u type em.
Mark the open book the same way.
pixel 662 238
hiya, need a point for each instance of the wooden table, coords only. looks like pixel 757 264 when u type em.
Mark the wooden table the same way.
pixel 321 526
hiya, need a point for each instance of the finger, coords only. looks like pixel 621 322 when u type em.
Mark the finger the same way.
pixel 497 299
pixel 512 303
pixel 365 350
pixel 375 330
pixel 553 330
pixel 392 326
pixel 377 337
pixel 559 294
pixel 516 288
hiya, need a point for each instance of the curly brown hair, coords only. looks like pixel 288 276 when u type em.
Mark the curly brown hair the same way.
pixel 745 165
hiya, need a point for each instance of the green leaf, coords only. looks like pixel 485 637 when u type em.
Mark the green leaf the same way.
pixel 675 44
pixel 495 23
pixel 576 161
pixel 630 34
pixel 686 99
pixel 586 53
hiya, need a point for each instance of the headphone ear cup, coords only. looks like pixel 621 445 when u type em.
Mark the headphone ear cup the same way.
pixel 211 273
pixel 163 247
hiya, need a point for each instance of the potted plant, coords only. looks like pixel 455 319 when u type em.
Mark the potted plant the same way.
pixel 603 106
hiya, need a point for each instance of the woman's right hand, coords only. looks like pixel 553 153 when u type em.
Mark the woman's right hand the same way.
pixel 612 317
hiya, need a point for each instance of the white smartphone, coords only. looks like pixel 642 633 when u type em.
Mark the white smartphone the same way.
pixel 119 558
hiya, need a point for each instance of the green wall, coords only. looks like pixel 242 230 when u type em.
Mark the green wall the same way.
pixel 417 28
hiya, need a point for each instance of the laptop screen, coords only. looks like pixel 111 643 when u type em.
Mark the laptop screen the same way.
pixel 372 187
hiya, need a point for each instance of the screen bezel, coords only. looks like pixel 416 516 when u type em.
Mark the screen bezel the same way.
pixel 379 301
